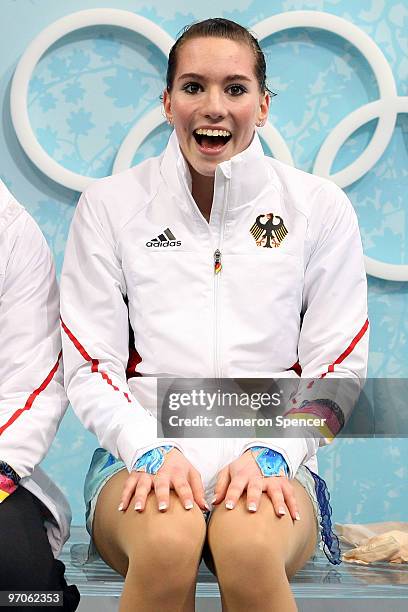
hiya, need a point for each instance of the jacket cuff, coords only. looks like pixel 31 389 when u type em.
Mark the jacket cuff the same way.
pixel 9 480
pixel 293 450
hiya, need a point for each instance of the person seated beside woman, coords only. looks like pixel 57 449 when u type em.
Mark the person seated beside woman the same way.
pixel 34 515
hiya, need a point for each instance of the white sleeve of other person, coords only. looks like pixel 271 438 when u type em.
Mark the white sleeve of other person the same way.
pixel 32 396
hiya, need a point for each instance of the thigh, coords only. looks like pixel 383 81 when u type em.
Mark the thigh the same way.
pixel 232 532
pixel 122 536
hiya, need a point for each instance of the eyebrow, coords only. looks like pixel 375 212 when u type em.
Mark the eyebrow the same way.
pixel 200 77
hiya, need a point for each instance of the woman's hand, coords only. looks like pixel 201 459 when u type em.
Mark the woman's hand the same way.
pixel 176 473
pixel 244 474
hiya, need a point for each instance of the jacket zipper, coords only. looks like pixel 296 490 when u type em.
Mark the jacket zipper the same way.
pixel 217 262
pixel 217 270
pixel 217 275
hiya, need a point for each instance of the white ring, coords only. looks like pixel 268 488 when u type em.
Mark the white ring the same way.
pixel 386 271
pixel 386 109
pixel 276 143
pixel 136 136
pixel 32 55
pixel 380 67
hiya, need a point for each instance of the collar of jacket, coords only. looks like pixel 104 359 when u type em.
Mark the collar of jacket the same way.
pixel 10 209
pixel 248 173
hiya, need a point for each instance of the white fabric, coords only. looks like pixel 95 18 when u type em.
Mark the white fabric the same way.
pixel 267 308
pixel 31 343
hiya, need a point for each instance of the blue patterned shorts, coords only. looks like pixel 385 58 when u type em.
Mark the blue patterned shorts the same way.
pixel 104 466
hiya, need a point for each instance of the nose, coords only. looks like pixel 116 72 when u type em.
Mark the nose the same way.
pixel 214 106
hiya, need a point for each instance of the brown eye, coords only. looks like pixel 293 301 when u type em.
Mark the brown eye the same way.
pixel 237 90
pixel 191 88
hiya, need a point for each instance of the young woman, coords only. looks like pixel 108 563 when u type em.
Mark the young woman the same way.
pixel 34 515
pixel 228 264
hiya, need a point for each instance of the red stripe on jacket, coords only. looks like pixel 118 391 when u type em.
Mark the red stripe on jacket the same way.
pixel 94 362
pixel 348 350
pixel 298 368
pixel 31 399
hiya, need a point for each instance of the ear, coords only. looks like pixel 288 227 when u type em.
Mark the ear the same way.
pixel 264 102
pixel 167 105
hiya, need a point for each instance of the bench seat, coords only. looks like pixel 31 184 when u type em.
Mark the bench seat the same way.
pixel 318 587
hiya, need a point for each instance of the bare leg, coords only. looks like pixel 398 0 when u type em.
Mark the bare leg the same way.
pixel 256 553
pixel 158 552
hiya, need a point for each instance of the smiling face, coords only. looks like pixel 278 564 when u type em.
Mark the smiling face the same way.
pixel 215 101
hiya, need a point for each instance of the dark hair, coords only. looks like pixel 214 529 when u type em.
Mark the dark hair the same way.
pixel 219 28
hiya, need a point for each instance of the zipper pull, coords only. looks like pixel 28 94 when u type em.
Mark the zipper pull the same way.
pixel 217 261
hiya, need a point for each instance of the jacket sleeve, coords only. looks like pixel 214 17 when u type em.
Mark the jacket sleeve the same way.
pixel 32 397
pixel 95 338
pixel 333 340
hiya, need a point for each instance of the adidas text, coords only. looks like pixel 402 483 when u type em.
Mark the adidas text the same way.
pixel 167 243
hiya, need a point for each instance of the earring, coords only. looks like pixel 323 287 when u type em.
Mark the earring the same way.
pixel 169 121
pixel 260 124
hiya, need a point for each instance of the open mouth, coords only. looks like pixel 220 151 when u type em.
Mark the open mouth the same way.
pixel 212 140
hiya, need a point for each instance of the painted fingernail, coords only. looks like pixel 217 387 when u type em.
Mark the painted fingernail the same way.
pixel 229 505
pixel 207 506
pixel 162 506
pixel 189 504
pixel 138 505
pixel 120 507
pixel 214 499
pixel 252 507
pixel 297 516
pixel 282 511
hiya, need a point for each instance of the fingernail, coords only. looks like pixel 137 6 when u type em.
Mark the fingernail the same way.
pixel 189 504
pixel 229 505
pixel 207 506
pixel 282 511
pixel 162 506
pixel 252 507
pixel 120 507
pixel 138 505
pixel 297 516
pixel 214 499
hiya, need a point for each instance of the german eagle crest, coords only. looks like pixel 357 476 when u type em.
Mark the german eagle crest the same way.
pixel 269 232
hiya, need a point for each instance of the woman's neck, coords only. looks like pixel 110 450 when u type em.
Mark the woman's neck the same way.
pixel 202 191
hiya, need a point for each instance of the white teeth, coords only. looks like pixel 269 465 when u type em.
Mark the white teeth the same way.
pixel 203 131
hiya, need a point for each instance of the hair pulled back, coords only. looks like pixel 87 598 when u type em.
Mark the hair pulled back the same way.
pixel 218 27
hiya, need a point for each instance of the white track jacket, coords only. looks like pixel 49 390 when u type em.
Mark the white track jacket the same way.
pixel 140 234
pixel 32 398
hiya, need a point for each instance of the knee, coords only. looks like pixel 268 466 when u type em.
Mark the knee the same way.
pixel 249 559
pixel 171 550
pixel 171 556
pixel 250 572
pixel 170 547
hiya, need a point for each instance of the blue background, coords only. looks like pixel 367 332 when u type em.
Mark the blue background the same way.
pixel 93 85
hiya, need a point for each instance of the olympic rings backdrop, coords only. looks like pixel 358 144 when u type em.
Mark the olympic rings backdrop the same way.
pixel 84 103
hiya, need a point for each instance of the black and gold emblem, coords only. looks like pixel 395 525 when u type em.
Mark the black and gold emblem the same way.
pixel 268 230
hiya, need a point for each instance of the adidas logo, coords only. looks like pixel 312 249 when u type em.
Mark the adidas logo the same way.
pixel 166 239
